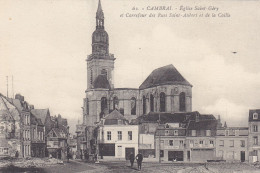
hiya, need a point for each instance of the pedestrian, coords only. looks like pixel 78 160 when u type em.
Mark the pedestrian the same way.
pixel 87 157
pixel 81 154
pixel 132 159
pixel 68 154
pixel 139 158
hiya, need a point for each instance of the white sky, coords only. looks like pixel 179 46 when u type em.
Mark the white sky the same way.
pixel 44 44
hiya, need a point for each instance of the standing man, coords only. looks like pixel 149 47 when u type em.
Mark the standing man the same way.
pixel 68 154
pixel 132 159
pixel 139 158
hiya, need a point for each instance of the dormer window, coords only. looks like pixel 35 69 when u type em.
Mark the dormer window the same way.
pixel 166 132
pixel 175 132
pixel 255 116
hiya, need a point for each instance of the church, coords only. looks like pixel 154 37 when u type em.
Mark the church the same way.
pixel 164 90
pixel 155 119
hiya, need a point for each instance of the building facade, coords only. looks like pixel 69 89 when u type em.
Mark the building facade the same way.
pixel 21 132
pixel 254 135
pixel 11 130
pixel 170 143
pixel 57 143
pixel 186 137
pixel 38 143
pixel 200 141
pixel 232 144
pixel 116 137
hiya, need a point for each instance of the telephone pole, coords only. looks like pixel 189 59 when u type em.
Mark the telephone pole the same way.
pixel 13 86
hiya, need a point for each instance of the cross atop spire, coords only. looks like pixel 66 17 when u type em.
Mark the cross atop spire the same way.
pixel 100 16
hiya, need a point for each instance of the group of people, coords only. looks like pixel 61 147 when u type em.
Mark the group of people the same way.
pixel 139 159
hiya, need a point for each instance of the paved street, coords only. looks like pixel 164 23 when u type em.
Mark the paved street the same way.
pixel 72 166
pixel 123 167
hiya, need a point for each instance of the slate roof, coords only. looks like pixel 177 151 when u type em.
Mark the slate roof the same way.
pixel 153 117
pixel 115 115
pixel 207 117
pixel 251 112
pixel 234 128
pixel 5 116
pixel 101 82
pixel 40 113
pixel 17 103
pixel 203 125
pixel 35 120
pixel 164 75
pixel 7 110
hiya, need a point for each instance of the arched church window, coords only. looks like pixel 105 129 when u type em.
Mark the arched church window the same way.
pixel 144 105
pixel 162 102
pixel 182 102
pixel 103 104
pixel 133 106
pixel 151 103
pixel 104 72
pixel 87 102
pixel 115 103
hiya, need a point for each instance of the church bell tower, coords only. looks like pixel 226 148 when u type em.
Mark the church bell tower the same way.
pixel 100 64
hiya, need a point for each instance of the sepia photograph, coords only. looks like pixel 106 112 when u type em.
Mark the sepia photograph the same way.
pixel 129 86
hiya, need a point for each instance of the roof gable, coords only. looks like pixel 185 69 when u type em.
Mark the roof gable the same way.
pixel 7 110
pixel 58 133
pixel 115 118
pixel 35 120
pixel 40 113
pixel 115 115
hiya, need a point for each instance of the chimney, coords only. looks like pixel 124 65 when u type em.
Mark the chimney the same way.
pixel 225 124
pixel 219 122
pixel 197 118
pixel 19 97
pixel 31 107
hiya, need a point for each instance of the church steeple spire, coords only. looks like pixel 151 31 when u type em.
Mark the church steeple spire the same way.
pixel 99 16
pixel 100 62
